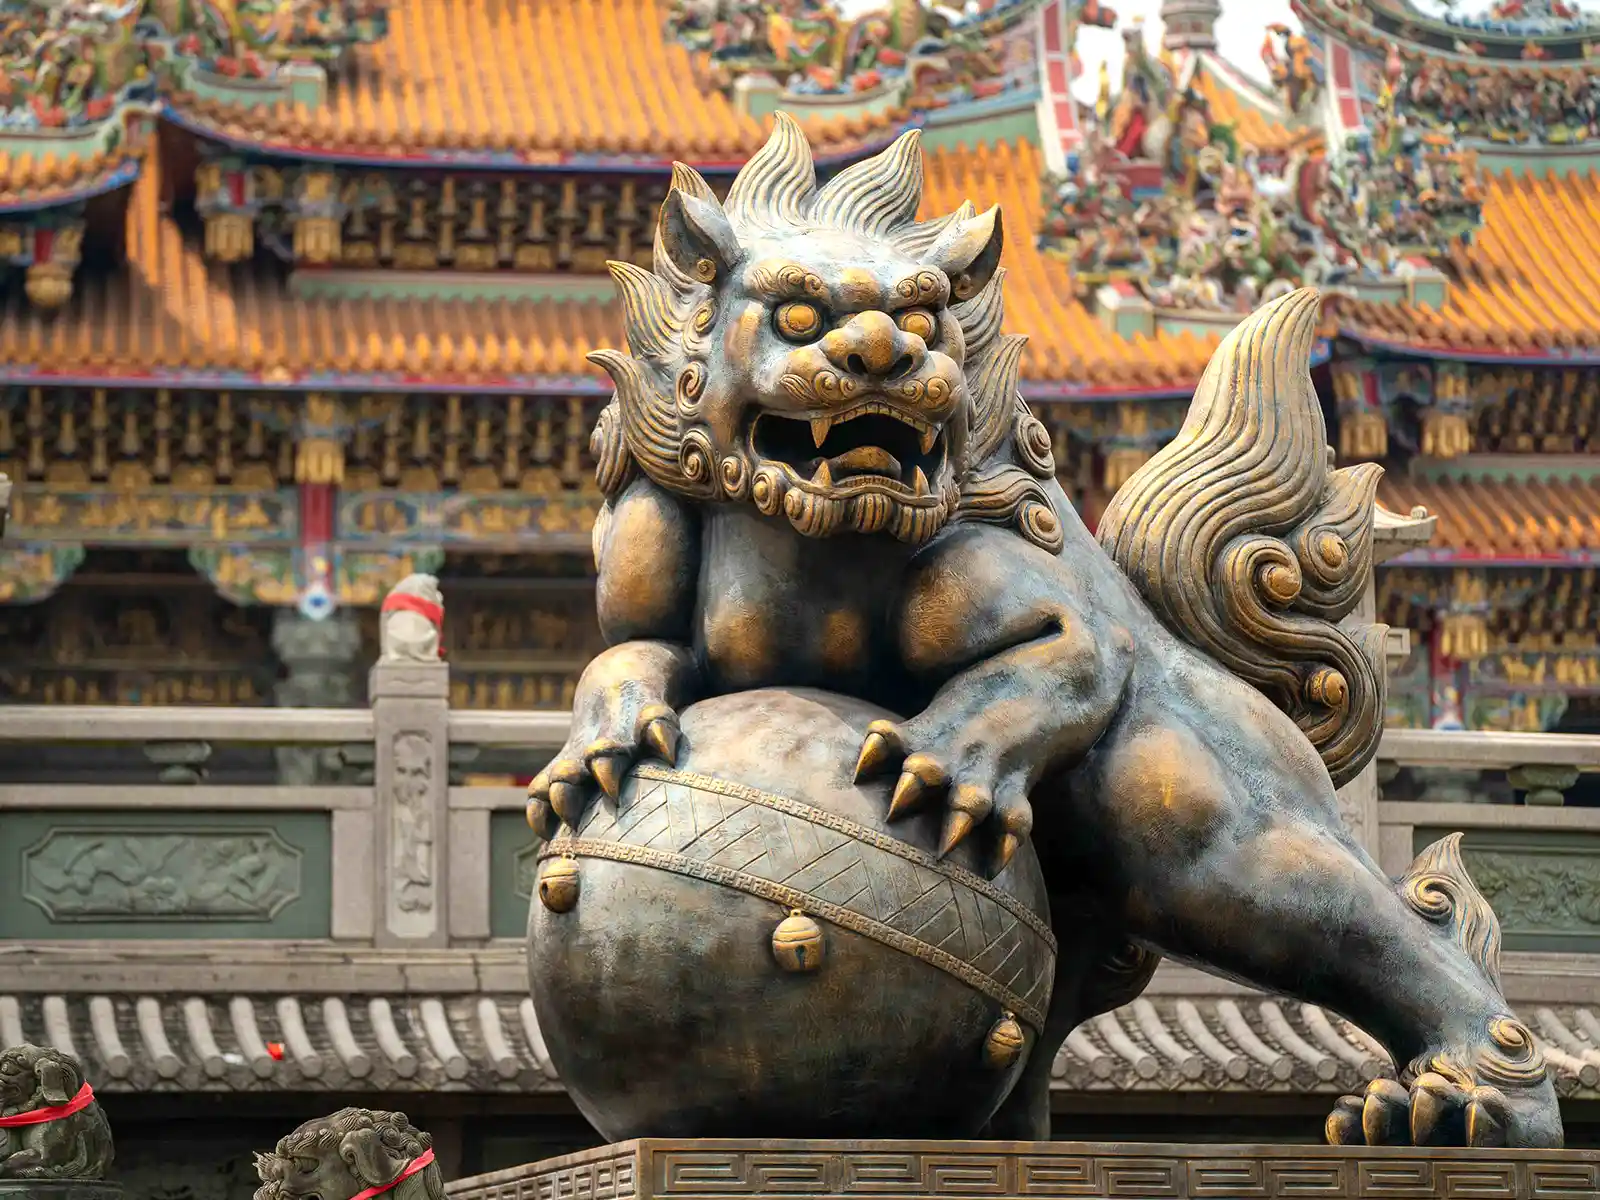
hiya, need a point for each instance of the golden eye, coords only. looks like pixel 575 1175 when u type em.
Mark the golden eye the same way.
pixel 799 322
pixel 919 322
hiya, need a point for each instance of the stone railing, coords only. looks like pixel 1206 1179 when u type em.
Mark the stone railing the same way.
pixel 402 846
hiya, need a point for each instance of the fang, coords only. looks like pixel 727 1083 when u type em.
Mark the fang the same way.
pixel 919 483
pixel 930 435
pixel 823 477
pixel 819 429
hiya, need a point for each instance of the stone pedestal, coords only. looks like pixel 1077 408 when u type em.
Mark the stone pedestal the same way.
pixel 699 1169
pixel 49 1189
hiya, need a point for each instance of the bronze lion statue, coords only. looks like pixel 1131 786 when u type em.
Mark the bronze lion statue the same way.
pixel 51 1127
pixel 819 474
pixel 355 1151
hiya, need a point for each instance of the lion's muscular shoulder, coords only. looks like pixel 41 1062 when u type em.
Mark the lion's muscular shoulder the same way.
pixel 647 550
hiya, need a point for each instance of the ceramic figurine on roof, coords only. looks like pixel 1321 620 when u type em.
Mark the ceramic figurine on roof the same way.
pixel 908 54
pixel 1295 71
pixel 252 38
pixel 1165 198
pixel 68 64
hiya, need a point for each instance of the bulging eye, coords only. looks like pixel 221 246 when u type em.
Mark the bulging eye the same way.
pixel 799 321
pixel 919 322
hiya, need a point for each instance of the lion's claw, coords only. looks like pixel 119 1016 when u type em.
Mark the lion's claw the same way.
pixel 600 750
pixel 972 790
pixel 1436 1110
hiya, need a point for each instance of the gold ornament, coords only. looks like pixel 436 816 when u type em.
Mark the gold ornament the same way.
pixel 797 943
pixel 558 885
pixel 1004 1043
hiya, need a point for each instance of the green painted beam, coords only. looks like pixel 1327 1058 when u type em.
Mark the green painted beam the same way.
pixel 337 283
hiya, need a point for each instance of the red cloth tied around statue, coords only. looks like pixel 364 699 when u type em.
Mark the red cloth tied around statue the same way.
pixel 41 1116
pixel 404 602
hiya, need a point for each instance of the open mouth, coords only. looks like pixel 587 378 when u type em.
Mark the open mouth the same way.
pixel 870 445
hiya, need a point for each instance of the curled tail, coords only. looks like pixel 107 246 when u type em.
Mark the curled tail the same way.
pixel 1248 544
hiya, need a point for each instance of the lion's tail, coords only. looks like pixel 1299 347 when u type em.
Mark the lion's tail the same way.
pixel 1248 544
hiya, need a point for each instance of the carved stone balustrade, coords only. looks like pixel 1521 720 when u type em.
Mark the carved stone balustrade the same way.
pixel 370 923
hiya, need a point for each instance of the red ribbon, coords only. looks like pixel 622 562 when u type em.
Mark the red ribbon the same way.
pixel 416 1165
pixel 41 1116
pixel 405 602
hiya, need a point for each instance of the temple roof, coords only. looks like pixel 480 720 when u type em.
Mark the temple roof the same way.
pixel 500 81
pixel 30 181
pixel 1529 285
pixel 492 1043
pixel 1522 520
pixel 168 311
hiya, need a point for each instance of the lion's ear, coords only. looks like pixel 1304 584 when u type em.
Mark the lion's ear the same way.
pixel 56 1082
pixel 969 252
pixel 369 1160
pixel 696 236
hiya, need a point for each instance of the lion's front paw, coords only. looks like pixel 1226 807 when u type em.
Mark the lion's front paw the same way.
pixel 599 750
pixel 963 772
pixel 1441 1109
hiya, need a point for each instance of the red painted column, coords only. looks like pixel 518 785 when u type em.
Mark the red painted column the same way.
pixel 318 597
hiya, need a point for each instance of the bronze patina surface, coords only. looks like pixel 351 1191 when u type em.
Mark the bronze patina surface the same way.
pixel 698 1170
pixel 786 894
pixel 820 474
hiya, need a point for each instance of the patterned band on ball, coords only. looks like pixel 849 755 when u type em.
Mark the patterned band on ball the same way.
pixel 800 857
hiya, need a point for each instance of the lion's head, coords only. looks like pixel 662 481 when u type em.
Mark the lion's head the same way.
pixel 33 1077
pixel 818 352
pixel 335 1157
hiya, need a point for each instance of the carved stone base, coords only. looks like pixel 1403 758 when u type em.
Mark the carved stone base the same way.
pixel 698 1170
pixel 50 1189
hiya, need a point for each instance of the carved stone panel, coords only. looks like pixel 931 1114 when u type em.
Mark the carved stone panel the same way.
pixel 165 875
pixel 1544 886
pixel 411 707
pixel 411 841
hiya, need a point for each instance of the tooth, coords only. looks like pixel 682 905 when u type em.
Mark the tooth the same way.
pixel 919 483
pixel 823 477
pixel 819 429
pixel 930 435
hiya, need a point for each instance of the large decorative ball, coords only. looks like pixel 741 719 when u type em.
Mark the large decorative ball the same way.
pixel 756 952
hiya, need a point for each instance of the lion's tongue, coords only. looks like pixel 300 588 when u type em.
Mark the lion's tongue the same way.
pixel 865 460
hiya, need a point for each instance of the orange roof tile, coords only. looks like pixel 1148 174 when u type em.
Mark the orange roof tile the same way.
pixel 1505 519
pixel 169 310
pixel 1067 341
pixel 35 179
pixel 1529 283
pixel 1253 126
pixel 510 77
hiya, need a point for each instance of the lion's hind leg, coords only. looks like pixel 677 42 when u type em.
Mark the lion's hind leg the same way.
pixel 1244 872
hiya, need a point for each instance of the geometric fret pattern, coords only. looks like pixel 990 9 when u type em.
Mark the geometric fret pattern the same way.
pixel 832 869
pixel 924 1171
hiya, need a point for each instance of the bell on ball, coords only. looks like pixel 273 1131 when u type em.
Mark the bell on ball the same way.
pixel 797 943
pixel 760 953
pixel 558 885
pixel 1005 1043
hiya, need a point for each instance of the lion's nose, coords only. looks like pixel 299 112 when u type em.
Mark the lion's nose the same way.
pixel 870 344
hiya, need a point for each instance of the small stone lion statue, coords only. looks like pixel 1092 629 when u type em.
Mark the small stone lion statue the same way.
pixel 50 1124
pixel 412 621
pixel 355 1152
